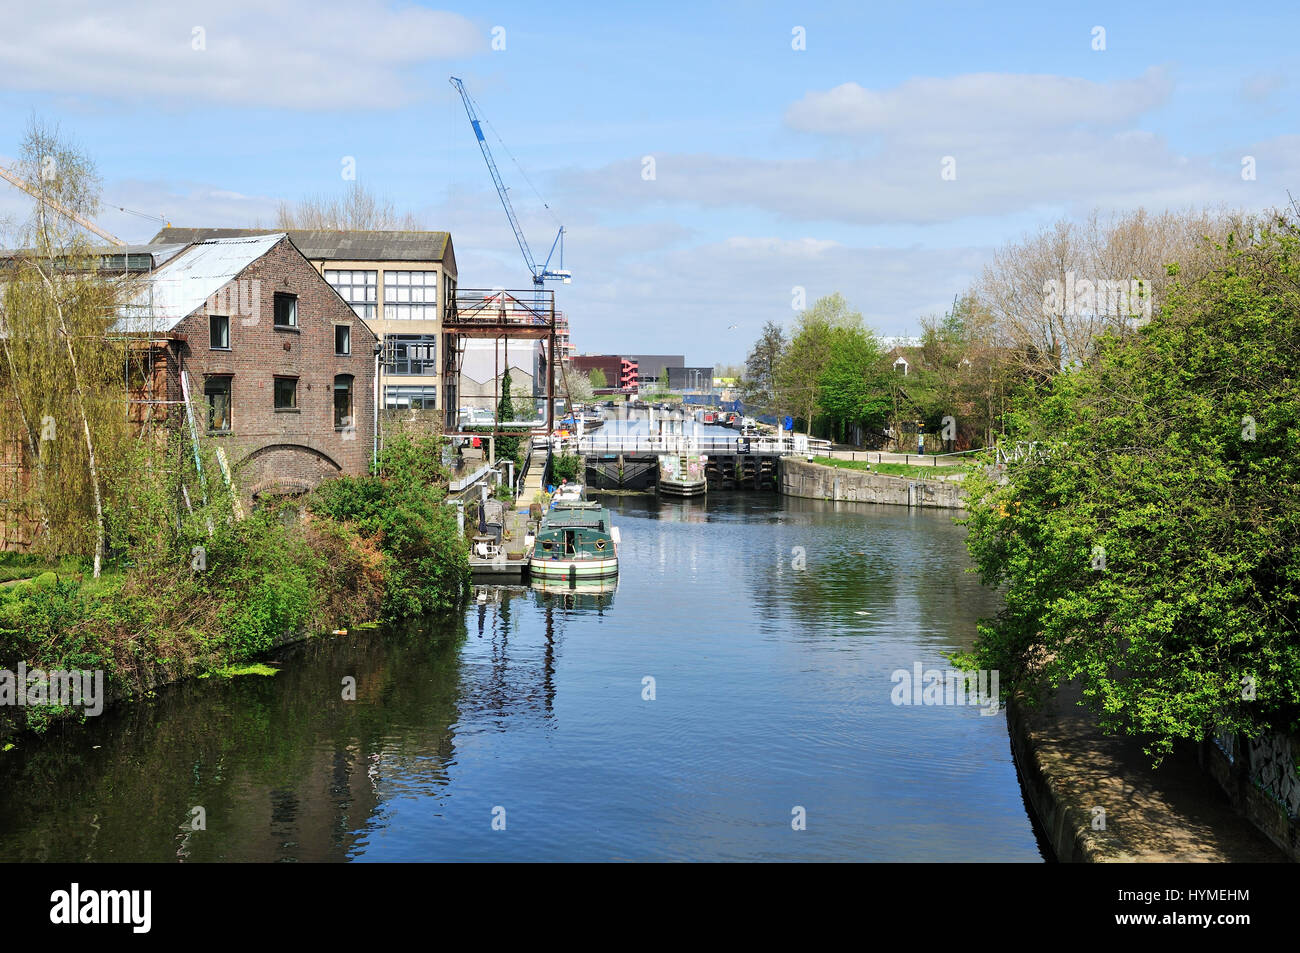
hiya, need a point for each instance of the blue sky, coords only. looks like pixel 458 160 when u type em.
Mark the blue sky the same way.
pixel 775 168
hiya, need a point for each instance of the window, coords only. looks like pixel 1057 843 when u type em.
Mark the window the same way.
pixel 410 295
pixel 342 339
pixel 357 288
pixel 286 311
pixel 343 402
pixel 219 332
pixel 417 398
pixel 217 392
pixel 406 354
pixel 286 393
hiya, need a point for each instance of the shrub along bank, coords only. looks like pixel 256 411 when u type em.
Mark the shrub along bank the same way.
pixel 177 601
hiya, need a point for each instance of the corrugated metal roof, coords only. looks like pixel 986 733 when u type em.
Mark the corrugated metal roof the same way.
pixel 335 244
pixel 183 284
pixel 113 257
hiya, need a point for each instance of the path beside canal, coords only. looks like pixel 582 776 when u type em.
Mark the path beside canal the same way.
pixel 1176 812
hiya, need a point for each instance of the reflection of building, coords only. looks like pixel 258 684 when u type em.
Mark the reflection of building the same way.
pixel 400 282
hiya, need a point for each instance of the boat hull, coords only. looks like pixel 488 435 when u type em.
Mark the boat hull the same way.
pixel 573 568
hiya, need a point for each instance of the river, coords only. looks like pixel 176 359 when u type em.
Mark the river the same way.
pixel 524 729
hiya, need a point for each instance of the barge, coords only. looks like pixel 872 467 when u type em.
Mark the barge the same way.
pixel 575 541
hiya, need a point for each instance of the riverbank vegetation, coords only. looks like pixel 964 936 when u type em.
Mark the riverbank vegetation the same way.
pixel 911 470
pixel 140 556
pixel 1146 540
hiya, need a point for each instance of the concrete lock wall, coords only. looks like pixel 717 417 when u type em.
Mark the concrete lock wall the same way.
pixel 817 482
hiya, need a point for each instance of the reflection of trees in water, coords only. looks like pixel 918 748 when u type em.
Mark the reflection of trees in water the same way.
pixel 889 562
pixel 283 767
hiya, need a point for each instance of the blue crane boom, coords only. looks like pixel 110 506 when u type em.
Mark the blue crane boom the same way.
pixel 540 275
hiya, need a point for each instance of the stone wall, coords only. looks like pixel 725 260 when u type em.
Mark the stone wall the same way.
pixel 817 482
pixel 1260 778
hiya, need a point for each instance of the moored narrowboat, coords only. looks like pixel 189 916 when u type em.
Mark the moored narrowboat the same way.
pixel 575 540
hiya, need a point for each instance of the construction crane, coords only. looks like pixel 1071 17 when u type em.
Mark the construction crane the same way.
pixel 63 210
pixel 544 273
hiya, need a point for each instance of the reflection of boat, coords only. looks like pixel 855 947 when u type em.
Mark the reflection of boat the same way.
pixel 576 540
pixel 682 475
pixel 591 587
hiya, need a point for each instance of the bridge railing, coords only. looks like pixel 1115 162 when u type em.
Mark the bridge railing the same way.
pixel 607 443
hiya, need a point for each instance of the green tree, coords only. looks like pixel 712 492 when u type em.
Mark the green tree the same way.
pixel 507 444
pixel 799 373
pixel 758 385
pixel 1147 543
pixel 598 379
pixel 61 373
pixel 854 389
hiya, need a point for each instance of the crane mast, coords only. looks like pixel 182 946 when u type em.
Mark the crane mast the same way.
pixel 540 275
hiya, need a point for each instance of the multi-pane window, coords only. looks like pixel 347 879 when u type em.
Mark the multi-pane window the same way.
pixel 357 288
pixel 410 295
pixel 408 354
pixel 219 332
pixel 420 398
pixel 343 402
pixel 286 393
pixel 286 311
pixel 342 339
pixel 217 392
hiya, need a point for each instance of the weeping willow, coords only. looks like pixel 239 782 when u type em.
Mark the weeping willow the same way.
pixel 62 372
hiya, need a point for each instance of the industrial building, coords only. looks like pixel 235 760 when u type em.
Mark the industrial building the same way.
pixel 401 283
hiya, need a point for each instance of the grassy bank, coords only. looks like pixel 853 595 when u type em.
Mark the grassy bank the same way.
pixel 180 601
pixel 893 469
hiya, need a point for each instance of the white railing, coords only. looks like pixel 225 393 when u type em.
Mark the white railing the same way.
pixel 640 444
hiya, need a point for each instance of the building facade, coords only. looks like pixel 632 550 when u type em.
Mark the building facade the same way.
pixel 281 366
pixel 401 283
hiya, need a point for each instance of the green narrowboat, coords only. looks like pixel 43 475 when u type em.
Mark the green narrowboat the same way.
pixel 575 541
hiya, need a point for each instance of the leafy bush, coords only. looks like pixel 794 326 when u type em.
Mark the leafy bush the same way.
pixel 1147 548
pixel 426 564
pixel 566 466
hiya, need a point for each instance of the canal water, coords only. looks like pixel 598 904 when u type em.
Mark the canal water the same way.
pixel 734 681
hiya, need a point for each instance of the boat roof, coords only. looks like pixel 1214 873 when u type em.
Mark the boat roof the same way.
pixel 571 516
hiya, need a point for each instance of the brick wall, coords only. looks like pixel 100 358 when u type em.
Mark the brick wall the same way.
pixel 285 451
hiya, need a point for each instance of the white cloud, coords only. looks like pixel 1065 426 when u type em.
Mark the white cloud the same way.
pixel 1017 143
pixel 307 54
pixel 1260 88
pixel 941 107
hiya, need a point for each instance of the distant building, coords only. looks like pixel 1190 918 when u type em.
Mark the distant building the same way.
pixel 486 361
pixel 621 373
pixel 654 367
pixel 690 378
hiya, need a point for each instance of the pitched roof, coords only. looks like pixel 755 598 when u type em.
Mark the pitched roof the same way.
pixel 181 286
pixel 335 244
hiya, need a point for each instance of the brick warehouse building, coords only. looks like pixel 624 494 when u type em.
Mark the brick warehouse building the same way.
pixel 282 366
pixel 401 283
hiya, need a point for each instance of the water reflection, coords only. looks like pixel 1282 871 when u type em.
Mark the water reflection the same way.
pixel 768 628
